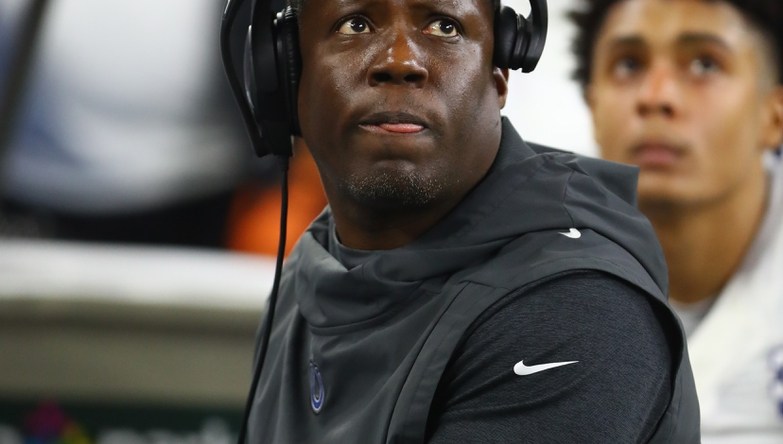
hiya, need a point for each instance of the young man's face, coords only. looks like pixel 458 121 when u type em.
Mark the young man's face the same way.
pixel 399 100
pixel 686 90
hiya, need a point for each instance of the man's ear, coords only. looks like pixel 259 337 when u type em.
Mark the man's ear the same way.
pixel 501 84
pixel 772 130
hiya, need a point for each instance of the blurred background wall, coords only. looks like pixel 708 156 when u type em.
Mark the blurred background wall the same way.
pixel 546 105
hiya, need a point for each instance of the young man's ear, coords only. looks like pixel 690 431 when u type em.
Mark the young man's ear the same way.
pixel 772 132
pixel 501 84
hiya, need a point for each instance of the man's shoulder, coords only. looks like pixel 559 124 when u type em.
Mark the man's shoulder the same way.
pixel 618 178
pixel 541 254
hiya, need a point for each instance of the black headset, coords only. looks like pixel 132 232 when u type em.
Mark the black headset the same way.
pixel 268 86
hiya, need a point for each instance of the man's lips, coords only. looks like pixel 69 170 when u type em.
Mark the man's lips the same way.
pixel 402 128
pixel 395 123
pixel 656 154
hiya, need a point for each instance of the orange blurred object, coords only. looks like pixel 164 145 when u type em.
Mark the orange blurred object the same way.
pixel 254 224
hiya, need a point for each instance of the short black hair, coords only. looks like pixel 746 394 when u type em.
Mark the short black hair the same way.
pixel 297 4
pixel 765 15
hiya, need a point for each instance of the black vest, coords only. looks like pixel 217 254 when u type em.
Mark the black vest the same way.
pixel 356 354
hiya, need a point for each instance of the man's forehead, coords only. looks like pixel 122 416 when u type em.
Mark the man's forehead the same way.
pixel 408 3
pixel 331 9
pixel 672 21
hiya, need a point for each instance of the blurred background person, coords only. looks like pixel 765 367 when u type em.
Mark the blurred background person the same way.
pixel 692 93
pixel 126 131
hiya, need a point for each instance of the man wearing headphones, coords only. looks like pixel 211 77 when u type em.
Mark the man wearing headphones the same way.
pixel 462 285
pixel 692 93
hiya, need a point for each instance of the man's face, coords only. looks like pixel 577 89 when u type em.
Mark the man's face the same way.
pixel 684 89
pixel 399 101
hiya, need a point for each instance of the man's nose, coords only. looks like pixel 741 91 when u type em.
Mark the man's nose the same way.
pixel 399 62
pixel 659 92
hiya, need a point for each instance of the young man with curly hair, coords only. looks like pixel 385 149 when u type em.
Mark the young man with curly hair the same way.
pixel 692 93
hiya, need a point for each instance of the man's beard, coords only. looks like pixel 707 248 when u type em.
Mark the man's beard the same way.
pixel 393 190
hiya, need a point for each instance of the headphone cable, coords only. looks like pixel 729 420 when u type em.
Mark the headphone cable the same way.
pixel 229 17
pixel 266 329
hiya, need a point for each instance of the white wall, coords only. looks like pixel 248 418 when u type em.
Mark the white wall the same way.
pixel 546 106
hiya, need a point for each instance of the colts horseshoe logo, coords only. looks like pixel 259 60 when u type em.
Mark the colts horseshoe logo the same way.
pixel 316 388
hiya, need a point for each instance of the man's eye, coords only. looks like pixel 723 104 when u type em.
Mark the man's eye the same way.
pixel 354 25
pixel 702 66
pixel 625 67
pixel 442 28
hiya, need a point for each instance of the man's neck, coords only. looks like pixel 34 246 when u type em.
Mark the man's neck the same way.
pixel 377 230
pixel 705 245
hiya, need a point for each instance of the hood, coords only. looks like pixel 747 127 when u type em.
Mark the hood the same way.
pixel 529 188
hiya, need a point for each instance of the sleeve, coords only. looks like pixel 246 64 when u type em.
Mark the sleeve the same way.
pixel 580 358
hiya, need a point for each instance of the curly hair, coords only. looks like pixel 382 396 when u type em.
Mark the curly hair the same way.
pixel 766 15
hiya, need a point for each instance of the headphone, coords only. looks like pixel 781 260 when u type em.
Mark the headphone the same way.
pixel 267 90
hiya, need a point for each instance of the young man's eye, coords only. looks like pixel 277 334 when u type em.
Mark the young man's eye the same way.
pixel 625 67
pixel 442 28
pixel 702 66
pixel 354 25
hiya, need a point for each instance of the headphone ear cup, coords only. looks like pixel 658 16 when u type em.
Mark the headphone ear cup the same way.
pixel 506 35
pixel 290 63
pixel 519 41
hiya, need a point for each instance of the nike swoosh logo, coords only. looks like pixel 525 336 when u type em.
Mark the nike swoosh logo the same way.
pixel 524 370
pixel 573 233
